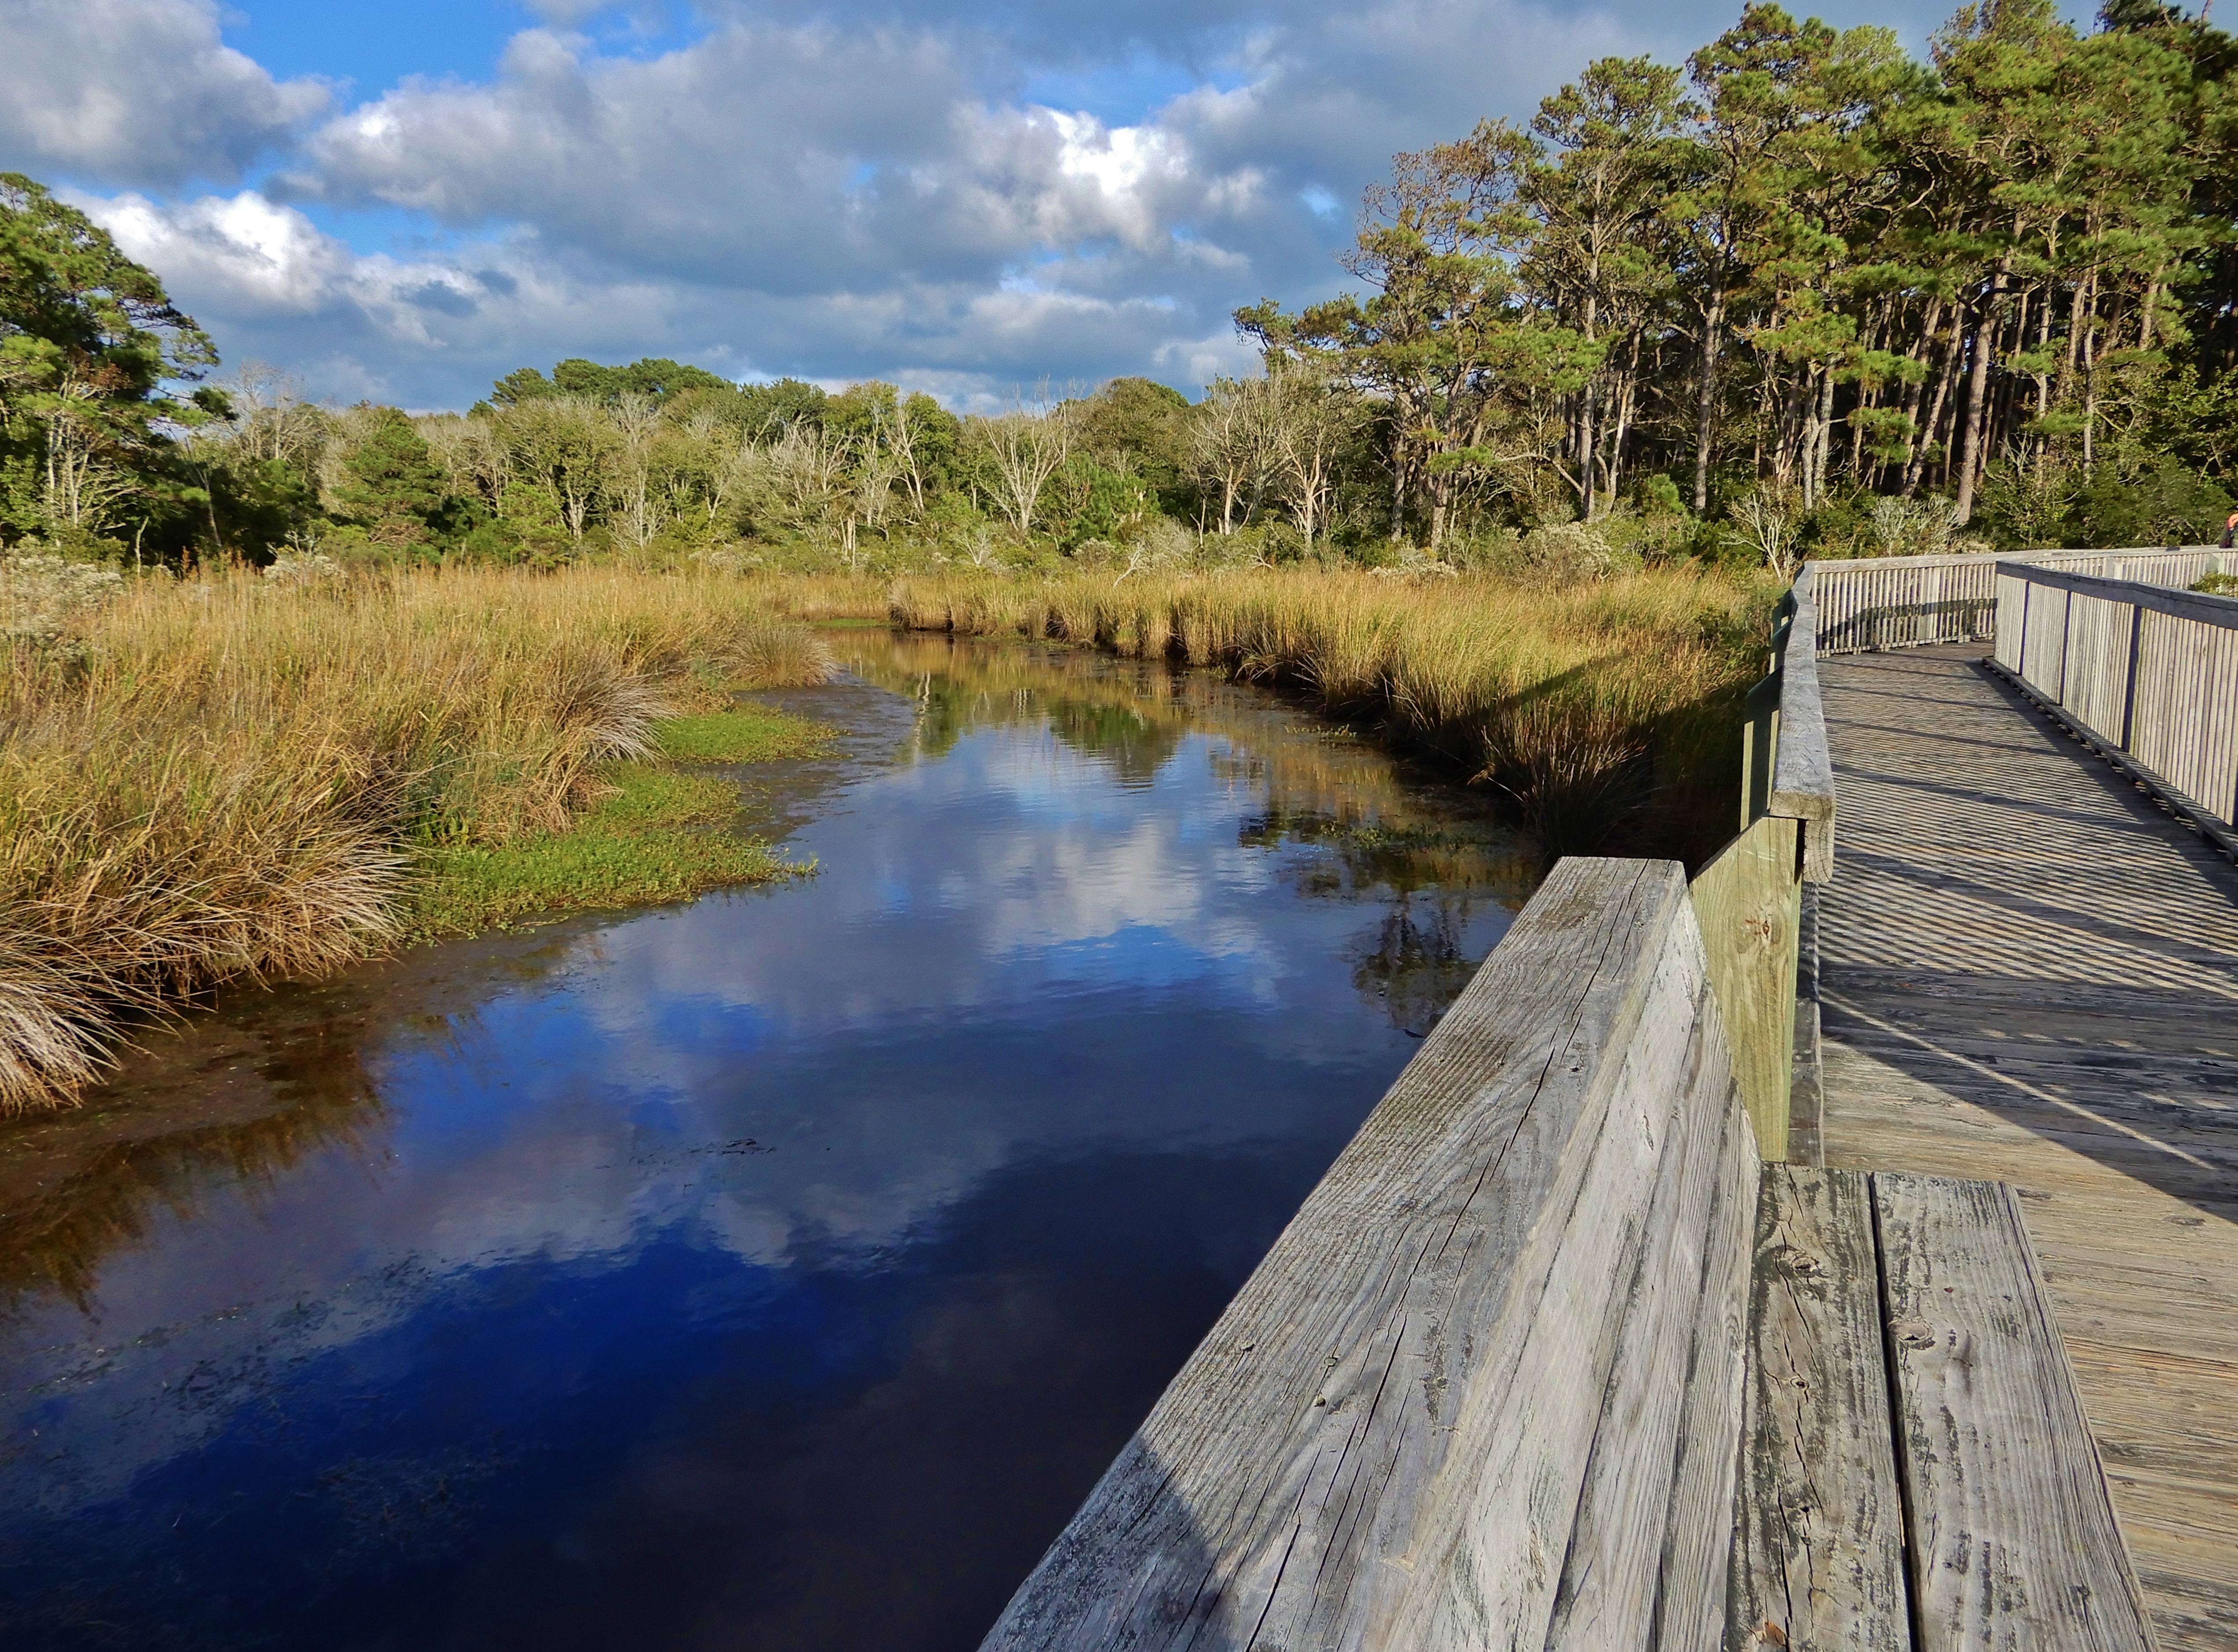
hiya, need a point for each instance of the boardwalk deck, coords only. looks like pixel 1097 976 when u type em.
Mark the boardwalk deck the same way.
pixel 2030 974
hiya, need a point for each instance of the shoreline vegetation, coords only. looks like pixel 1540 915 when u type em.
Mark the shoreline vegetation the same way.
pixel 237 776
pixel 245 777
pixel 1602 715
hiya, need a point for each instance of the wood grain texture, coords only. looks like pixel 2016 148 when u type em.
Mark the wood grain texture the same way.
pixel 1507 1516
pixel 2014 1543
pixel 1385 1437
pixel 1802 774
pixel 1806 1090
pixel 1748 903
pixel 1690 1611
pixel 1818 1548
pixel 2029 974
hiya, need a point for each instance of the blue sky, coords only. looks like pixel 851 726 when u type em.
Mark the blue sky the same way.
pixel 404 201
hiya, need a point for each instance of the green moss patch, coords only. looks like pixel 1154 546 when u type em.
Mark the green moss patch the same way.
pixel 747 734
pixel 656 837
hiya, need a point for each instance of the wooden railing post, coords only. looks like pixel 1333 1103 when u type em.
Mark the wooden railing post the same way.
pixel 2129 688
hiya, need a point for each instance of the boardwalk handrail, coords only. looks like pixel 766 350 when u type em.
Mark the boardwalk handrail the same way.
pixel 1749 896
pixel 1870 603
pixel 1803 767
pixel 1493 1384
pixel 2146 674
pixel 1485 1388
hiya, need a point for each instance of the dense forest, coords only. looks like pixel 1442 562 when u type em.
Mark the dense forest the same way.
pixel 1804 295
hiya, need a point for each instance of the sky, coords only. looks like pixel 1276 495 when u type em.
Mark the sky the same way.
pixel 402 201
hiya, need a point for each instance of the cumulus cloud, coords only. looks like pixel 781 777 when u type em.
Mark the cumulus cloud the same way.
pixel 828 188
pixel 140 92
pixel 779 160
pixel 432 329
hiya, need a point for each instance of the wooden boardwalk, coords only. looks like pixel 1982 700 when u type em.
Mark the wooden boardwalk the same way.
pixel 2030 974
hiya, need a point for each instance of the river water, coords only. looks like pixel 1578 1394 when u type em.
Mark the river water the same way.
pixel 774 1271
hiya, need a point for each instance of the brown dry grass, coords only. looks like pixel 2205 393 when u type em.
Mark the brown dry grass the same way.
pixel 1605 711
pixel 223 777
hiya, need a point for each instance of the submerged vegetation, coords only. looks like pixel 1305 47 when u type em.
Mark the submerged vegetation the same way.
pixel 225 777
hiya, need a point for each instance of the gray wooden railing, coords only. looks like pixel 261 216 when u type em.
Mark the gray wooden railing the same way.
pixel 1485 1390
pixel 1549 1361
pixel 1750 897
pixel 2147 674
pixel 1902 602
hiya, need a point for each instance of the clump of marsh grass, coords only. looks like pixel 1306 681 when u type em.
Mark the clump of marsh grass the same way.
pixel 1604 709
pixel 210 779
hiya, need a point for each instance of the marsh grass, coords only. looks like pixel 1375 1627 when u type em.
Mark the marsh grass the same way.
pixel 1606 712
pixel 653 837
pixel 743 734
pixel 228 778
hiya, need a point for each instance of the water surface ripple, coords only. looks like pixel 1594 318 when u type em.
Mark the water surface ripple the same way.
pixel 775 1272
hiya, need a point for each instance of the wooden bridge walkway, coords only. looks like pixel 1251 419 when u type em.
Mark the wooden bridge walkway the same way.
pixel 2029 974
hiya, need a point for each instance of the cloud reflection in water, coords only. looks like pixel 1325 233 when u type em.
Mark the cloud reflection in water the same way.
pixel 776 1270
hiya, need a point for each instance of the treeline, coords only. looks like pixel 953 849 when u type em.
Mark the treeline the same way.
pixel 1807 272
pixel 1803 295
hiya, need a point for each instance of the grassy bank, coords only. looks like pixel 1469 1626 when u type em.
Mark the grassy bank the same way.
pixel 1604 712
pixel 648 836
pixel 239 776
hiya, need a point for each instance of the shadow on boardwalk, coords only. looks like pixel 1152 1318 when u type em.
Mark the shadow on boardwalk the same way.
pixel 2031 974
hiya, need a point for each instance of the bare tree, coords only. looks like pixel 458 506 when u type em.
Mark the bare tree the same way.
pixel 272 420
pixel 1233 445
pixel 1024 448
pixel 1310 420
pixel 636 419
pixel 1768 529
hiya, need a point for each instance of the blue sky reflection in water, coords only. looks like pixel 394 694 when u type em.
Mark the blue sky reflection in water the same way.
pixel 776 1272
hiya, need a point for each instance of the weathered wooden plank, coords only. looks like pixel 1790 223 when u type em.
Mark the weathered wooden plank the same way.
pixel 1748 900
pixel 1450 1286
pixel 1997 879
pixel 1606 1595
pixel 1690 1611
pixel 1817 1558
pixel 1506 1509
pixel 1802 770
pixel 1806 1092
pixel 2013 1540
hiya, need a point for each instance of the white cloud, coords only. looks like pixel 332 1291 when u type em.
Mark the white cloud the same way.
pixel 139 92
pixel 826 188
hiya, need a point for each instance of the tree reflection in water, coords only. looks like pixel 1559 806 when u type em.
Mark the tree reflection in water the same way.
pixel 778 1271
pixel 1429 854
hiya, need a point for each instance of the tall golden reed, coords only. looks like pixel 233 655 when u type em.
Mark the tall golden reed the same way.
pixel 223 777
pixel 1605 711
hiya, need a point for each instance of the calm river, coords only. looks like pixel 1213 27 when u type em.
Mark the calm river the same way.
pixel 776 1272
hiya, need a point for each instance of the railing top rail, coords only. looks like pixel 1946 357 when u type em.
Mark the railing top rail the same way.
pixel 1802 770
pixel 1986 558
pixel 2184 605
